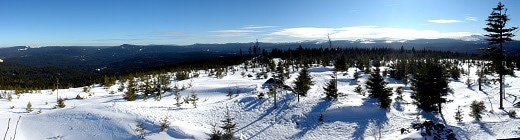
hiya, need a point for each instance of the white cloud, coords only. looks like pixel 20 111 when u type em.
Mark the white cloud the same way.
pixel 305 32
pixel 444 21
pixel 470 18
pixel 360 32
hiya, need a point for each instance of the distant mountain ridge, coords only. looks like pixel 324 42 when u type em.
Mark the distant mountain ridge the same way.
pixel 126 56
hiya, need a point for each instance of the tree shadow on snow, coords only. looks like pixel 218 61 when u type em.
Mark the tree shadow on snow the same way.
pixel 281 106
pixel 152 128
pixel 398 104
pixel 349 81
pixel 369 112
pixel 459 132
pixel 310 121
pixel 251 103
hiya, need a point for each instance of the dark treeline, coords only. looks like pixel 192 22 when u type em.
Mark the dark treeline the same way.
pixel 14 76
pixel 34 78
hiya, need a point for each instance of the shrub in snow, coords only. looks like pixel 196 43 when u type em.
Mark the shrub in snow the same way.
pixel 359 90
pixel 79 97
pixel 399 92
pixel 215 134
pixel 29 107
pixel 139 128
pixel 165 123
pixel 261 95
pixel 512 113
pixel 9 97
pixel 477 108
pixel 230 93
pixel 468 83
pixel 61 103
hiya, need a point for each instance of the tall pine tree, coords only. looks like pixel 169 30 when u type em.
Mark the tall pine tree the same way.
pixel 430 84
pixel 303 83
pixel 331 88
pixel 376 86
pixel 498 35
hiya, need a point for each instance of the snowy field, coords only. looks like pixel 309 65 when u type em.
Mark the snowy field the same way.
pixel 104 116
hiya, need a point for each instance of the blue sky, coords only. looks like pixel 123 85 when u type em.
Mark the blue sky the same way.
pixel 115 22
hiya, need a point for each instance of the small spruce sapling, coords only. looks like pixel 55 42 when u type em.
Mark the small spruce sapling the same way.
pixel 458 114
pixel 178 96
pixel 215 134
pixel 194 98
pixel 164 123
pixel 230 93
pixel 139 128
pixel 29 107
pixel 228 125
pixel 61 103
pixel 399 92
pixel 359 90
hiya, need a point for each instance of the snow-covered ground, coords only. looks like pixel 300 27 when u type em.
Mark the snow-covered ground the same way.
pixel 108 116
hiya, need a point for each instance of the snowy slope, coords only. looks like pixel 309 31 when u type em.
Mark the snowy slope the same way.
pixel 353 116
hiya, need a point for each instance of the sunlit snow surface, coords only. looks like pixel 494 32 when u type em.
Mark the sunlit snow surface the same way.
pixel 353 116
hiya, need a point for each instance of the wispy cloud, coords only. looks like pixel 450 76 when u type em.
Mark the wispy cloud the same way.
pixel 257 27
pixel 470 18
pixel 359 32
pixel 234 31
pixel 444 21
pixel 172 33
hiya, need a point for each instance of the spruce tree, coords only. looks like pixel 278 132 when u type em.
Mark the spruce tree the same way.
pixel 458 114
pixel 331 88
pixel 29 107
pixel 303 83
pixel 376 86
pixel 340 64
pixel 477 108
pixel 498 34
pixel 228 125
pixel 130 94
pixel 430 85
pixel 178 95
pixel 194 98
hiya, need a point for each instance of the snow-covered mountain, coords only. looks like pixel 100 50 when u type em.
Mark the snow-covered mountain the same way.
pixel 474 38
